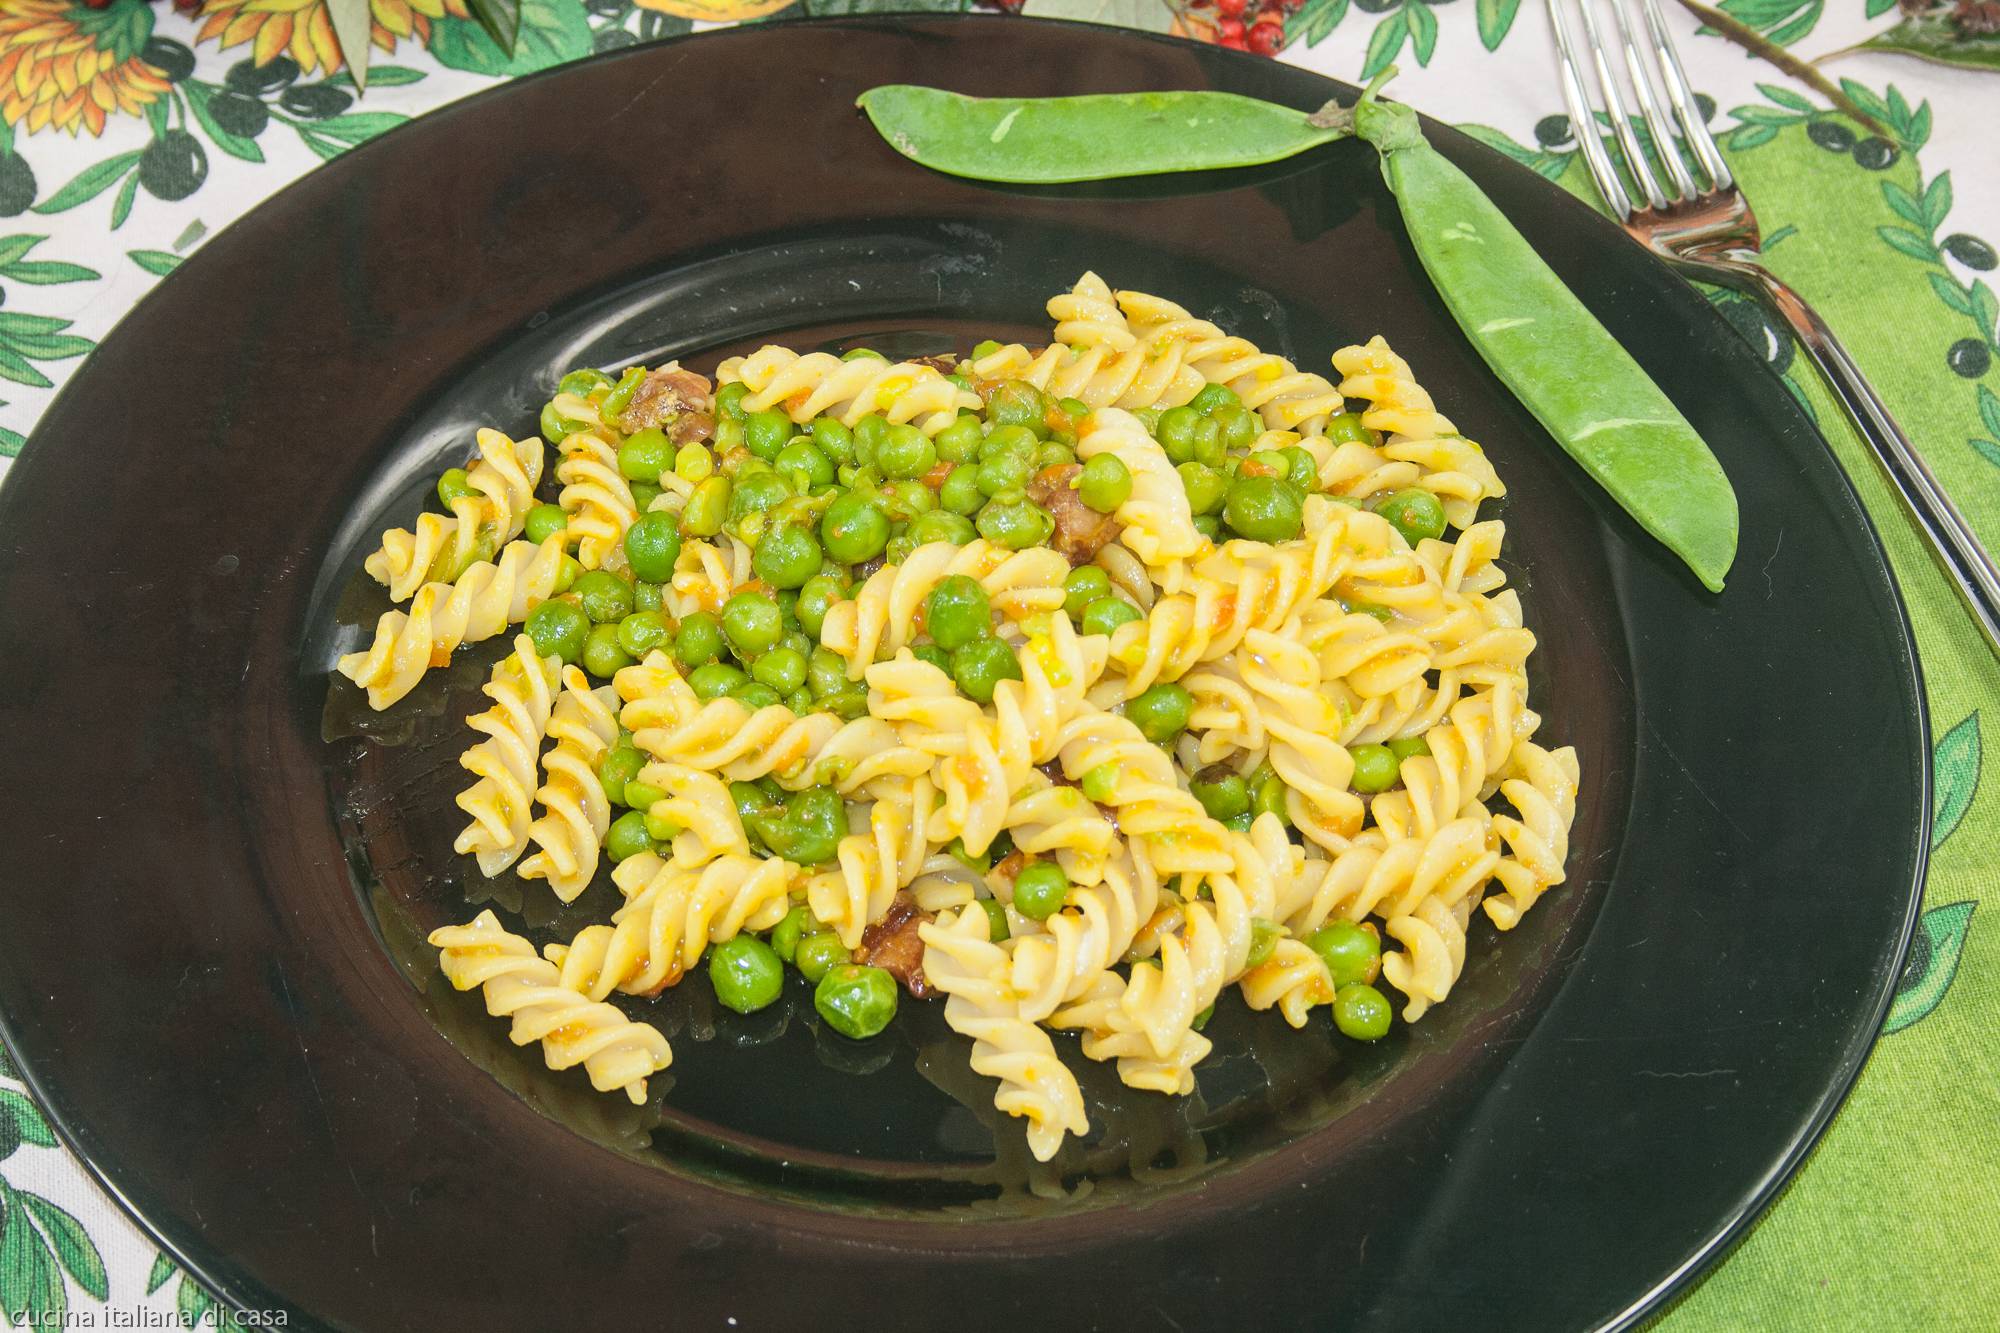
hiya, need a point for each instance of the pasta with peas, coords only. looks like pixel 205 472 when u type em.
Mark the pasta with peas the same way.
pixel 1084 685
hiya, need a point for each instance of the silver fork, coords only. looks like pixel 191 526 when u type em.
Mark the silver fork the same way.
pixel 1711 234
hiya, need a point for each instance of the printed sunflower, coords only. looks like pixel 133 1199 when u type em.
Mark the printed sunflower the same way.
pixel 303 30
pixel 72 67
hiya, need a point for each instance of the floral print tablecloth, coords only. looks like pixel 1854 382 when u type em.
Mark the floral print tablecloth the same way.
pixel 130 133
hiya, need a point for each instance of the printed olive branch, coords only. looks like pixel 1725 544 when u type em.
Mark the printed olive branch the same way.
pixel 1747 37
pixel 39 1240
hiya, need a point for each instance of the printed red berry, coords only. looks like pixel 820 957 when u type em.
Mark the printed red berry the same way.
pixel 1267 39
pixel 1230 9
pixel 1230 33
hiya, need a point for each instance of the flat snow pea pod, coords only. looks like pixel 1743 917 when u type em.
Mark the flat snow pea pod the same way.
pixel 1048 140
pixel 1559 361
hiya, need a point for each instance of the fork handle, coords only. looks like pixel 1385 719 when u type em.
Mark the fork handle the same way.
pixel 1951 538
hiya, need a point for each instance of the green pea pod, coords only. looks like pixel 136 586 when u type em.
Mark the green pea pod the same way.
pixel 1551 351
pixel 1052 140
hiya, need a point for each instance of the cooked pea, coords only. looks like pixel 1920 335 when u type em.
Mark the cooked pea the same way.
pixel 961 493
pixel 899 549
pixel 627 836
pixel 1238 425
pixel 1100 784
pixel 584 382
pixel 783 669
pixel 849 703
pixel 766 433
pixel 714 680
pixel 618 767
pixel 826 672
pixel 816 596
pixel 729 399
pixel 707 507
pixel 643 495
pixel 747 973
pixel 698 641
pixel 942 526
pixel 1149 417
pixel 802 459
pixel 1414 513
pixel 620 396
pixel 1082 586
pixel 1352 953
pixel 645 455
pixel 855 1001
pixel 1267 796
pixel 869 432
pixel 751 501
pixel 785 936
pixel 1004 474
pixel 1347 429
pixel 1221 791
pixel 728 436
pixel 754 695
pixel 1053 454
pixel 1176 433
pixel 862 354
pixel 1213 396
pixel 1381 613
pixel 646 596
pixel 559 628
pixel 996 919
pixel 908 499
pixel 1161 713
pixel 601 654
pixel 810 827
pixel 543 522
pixel 936 656
pixel 1039 890
pixel 1374 768
pixel 1106 614
pixel 1405 747
pixel 641 632
pixel 694 463
pixel 1018 403
pixel 661 829
pixel 454 484
pixel 642 796
pixel 787 556
pixel 957 612
pixel 904 452
pixel 1015 524
pixel 1361 1012
pixel 1104 484
pixel 959 441
pixel 1017 440
pixel 750 801
pixel 556 427
pixel 854 528
pixel 1206 488
pixel 1209 526
pixel 834 441
pixel 980 665
pixel 604 597
pixel 752 623
pixel 1266 463
pixel 818 954
pixel 652 545
pixel 1264 509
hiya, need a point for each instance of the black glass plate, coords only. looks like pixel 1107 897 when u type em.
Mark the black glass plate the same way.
pixel 223 867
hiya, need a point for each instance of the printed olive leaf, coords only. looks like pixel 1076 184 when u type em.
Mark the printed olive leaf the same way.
pixel 1146 15
pixel 1316 20
pixel 1955 763
pixel 1934 953
pixel 549 33
pixel 163 1268
pixel 30 1283
pixel 73 1247
pixel 1937 40
pixel 21 1122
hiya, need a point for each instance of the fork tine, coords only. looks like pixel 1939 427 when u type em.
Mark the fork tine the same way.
pixel 1621 120
pixel 1682 96
pixel 1651 107
pixel 1583 120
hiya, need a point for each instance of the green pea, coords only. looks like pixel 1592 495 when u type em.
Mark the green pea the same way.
pixel 801 458
pixel 862 354
pixel 728 436
pixel 1213 396
pixel 980 665
pixel 961 493
pixel 1238 424
pixel 1352 953
pixel 818 954
pixel 661 829
pixel 698 641
pixel 854 529
pixel 1361 1012
pixel 1106 614
pixel 1381 613
pixel 1018 403
pixel 1209 449
pixel 1264 509
pixel 905 452
pixel 959 441
pixel 1014 440
pixel 1149 417
pixel 1004 474
pixel 647 596
pixel 618 767
pixel 641 632
pixel 783 669
pixel 1161 713
pixel 755 695
pixel 869 432
pixel 729 399
pixel 694 463
pixel 1267 797
pixel 800 701
pixel 1264 937
pixel 707 507
pixel 1177 431
pixel 1266 463
pixel 1082 586
pixel 556 427
pixel 909 499
pixel 602 655
pixel 1200 1020
pixel 996 919
pixel 750 800
pixel 1407 747
pixel 1040 889
pixel 787 556
pixel 936 656
pixel 834 441
pixel 811 828
pixel 645 455
pixel 604 597
pixel 900 548
pixel 751 501
pixel 1015 524
pixel 1053 454
pixel 1374 768
pixel 826 672
pixel 1100 784
pixel 627 836
pixel 1104 484
pixel 1304 472
pixel 454 484
pixel 747 973
pixel 1221 791
pixel 620 397
pixel 1347 429
pixel 642 796
pixel 816 597
pixel 957 612
pixel 652 545
pixel 752 623
pixel 1238 823
pixel 584 382
pixel 1206 488
pixel 1414 513
pixel 785 936
pixel 1209 526
pixel 984 348
pixel 543 522
pixel 942 526
pixel 766 433
pixel 855 1001
pixel 849 703
pixel 643 495
pixel 714 680
pixel 558 628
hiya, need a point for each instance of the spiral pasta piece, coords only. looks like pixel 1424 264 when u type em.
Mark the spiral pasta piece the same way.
pixel 724 736
pixel 1158 525
pixel 886 613
pixel 1087 937
pixel 576 810
pixel 503 485
pixel 485 600
pixel 962 961
pixel 707 574
pixel 701 805
pixel 617 1053
pixel 1451 467
pixel 597 499
pixel 522 688
pixel 1150 804
pixel 1286 397
pixel 661 931
pixel 819 383
pixel 1467 751
pixel 1095 358
pixel 873 866
pixel 1543 790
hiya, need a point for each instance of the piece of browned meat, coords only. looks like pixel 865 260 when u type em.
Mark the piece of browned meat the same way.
pixel 677 401
pixel 1081 531
pixel 893 945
